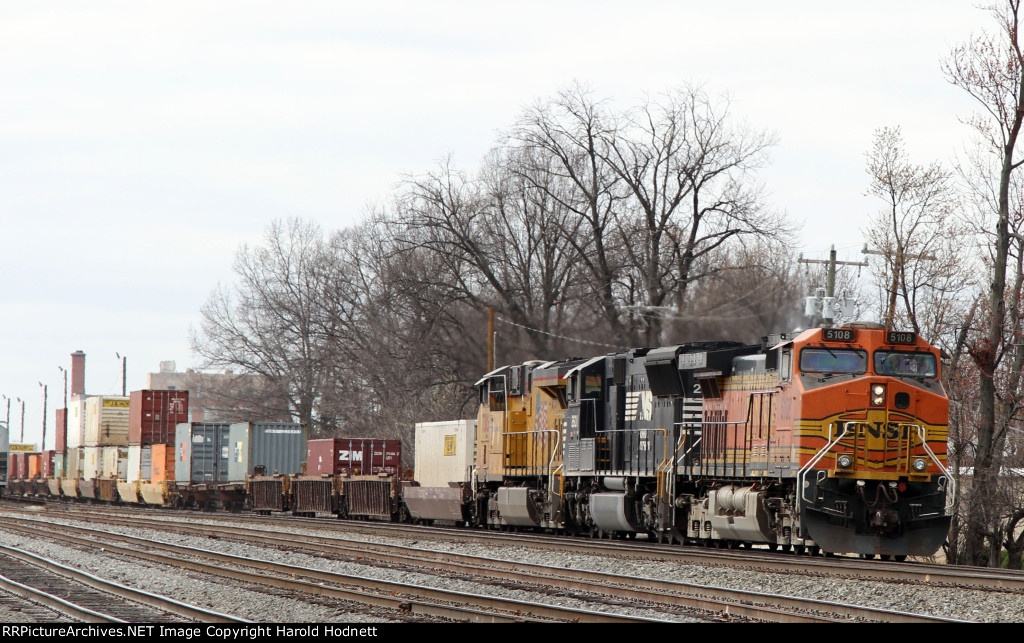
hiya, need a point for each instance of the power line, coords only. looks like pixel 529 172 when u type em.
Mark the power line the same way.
pixel 544 332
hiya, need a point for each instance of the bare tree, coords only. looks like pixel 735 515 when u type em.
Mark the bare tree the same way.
pixel 271 322
pixel 565 143
pixel 991 70
pixel 921 242
pixel 692 191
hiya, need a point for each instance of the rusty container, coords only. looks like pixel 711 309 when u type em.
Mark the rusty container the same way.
pixel 154 414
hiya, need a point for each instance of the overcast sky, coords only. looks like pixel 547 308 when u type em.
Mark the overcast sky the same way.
pixel 143 143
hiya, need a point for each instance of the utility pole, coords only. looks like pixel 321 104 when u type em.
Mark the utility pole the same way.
pixel 898 266
pixel 490 340
pixel 830 279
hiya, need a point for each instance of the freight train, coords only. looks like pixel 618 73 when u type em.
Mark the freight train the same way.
pixel 825 440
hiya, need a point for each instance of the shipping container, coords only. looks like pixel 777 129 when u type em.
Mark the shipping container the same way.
pixel 17 465
pixel 202 452
pixel 162 463
pixel 266 448
pixel 353 456
pixel 73 463
pixel 139 458
pixel 58 464
pixel 115 462
pixel 76 423
pixel 60 440
pixel 34 464
pixel 53 487
pixel 47 464
pixel 154 415
pixel 92 463
pixel 106 421
pixel 444 452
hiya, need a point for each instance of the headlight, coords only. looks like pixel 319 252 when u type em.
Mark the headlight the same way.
pixel 844 461
pixel 920 465
pixel 878 395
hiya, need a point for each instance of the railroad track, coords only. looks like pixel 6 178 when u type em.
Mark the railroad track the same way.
pixel 71 593
pixel 915 572
pixel 676 599
pixel 415 602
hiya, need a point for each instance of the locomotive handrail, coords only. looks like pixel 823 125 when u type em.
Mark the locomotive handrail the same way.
pixel 664 433
pixel 951 495
pixel 801 475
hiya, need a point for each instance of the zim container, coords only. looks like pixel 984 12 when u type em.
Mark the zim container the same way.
pixel 154 415
pixel 353 456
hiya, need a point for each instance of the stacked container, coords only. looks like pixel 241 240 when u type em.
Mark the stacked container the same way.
pixel 106 421
pixel 153 418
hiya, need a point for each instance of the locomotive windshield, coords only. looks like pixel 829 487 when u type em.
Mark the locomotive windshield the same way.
pixel 905 364
pixel 833 360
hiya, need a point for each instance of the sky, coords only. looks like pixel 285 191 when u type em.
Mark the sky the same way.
pixel 142 144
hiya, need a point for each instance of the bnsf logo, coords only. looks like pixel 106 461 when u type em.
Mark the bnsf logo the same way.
pixel 887 430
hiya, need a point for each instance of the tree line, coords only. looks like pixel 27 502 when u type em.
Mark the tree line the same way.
pixel 589 229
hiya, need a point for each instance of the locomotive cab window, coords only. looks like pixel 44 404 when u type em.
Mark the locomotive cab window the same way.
pixel 905 364
pixel 497 394
pixel 833 360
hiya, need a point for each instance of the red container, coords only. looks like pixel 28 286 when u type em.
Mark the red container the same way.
pixel 153 415
pixel 355 456
pixel 47 464
pixel 17 465
pixel 60 442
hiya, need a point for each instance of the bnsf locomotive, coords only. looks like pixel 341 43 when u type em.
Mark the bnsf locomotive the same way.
pixel 824 440
pixel 832 439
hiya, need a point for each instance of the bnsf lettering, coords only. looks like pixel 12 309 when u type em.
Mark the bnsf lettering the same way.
pixel 888 430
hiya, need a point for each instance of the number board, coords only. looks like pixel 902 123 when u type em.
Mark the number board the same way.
pixel 900 337
pixel 838 334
